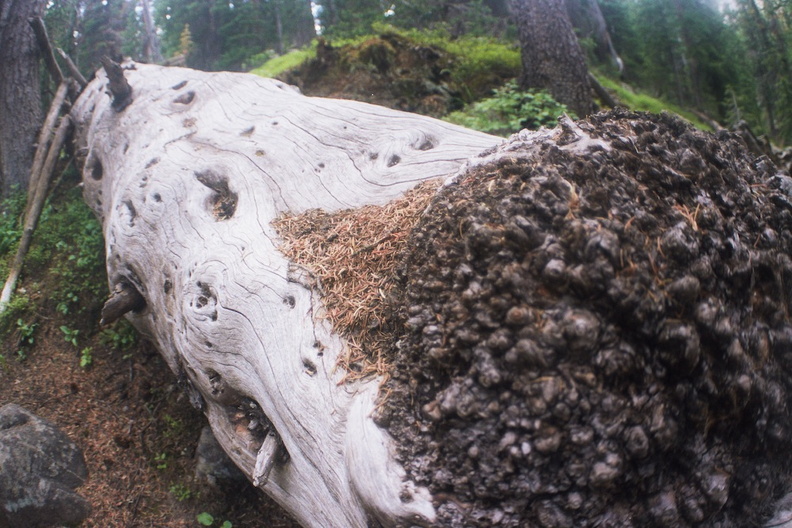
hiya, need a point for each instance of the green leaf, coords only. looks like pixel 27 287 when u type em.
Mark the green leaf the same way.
pixel 205 519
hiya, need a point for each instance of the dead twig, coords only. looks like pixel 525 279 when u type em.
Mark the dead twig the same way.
pixel 43 167
pixel 46 48
pixel 73 70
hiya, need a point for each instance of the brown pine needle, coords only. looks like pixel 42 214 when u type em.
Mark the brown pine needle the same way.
pixel 354 254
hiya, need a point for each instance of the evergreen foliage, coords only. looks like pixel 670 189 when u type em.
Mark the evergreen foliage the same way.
pixel 732 64
pixel 729 61
pixel 510 110
pixel 228 35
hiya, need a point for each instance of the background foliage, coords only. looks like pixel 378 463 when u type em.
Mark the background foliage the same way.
pixel 728 60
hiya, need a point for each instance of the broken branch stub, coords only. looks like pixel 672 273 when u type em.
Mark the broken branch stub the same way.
pixel 119 88
pixel 124 299
pixel 186 183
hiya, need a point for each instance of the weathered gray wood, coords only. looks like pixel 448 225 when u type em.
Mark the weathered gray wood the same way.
pixel 186 180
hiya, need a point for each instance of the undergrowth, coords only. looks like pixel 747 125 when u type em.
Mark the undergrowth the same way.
pixel 477 60
pixel 288 61
pixel 643 102
pixel 10 224
pixel 68 242
pixel 510 110
pixel 64 268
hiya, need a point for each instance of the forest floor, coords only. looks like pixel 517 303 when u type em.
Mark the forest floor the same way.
pixel 107 389
pixel 136 428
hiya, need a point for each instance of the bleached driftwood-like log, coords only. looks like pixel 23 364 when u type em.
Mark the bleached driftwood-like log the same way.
pixel 186 180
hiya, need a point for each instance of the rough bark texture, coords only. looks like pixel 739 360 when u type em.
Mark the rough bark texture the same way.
pixel 598 333
pixel 551 55
pixel 20 103
pixel 186 180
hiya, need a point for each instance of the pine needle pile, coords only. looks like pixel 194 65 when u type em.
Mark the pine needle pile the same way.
pixel 353 253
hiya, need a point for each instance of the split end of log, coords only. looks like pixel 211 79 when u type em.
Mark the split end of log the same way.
pixel 125 298
pixel 269 453
pixel 117 83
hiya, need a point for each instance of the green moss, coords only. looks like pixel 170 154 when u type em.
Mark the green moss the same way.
pixel 288 61
pixel 646 103
pixel 477 60
pixel 478 63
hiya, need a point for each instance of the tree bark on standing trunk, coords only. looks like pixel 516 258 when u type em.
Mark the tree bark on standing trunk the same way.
pixel 151 44
pixel 20 102
pixel 551 55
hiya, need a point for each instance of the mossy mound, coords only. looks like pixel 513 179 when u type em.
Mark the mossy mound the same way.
pixel 597 333
pixel 395 71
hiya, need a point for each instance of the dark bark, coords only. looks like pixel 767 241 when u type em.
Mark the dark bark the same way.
pixel 45 47
pixel 586 17
pixel 20 102
pixel 117 84
pixel 551 55
pixel 124 299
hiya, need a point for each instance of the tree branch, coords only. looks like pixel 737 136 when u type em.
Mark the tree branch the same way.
pixel 46 48
pixel 45 135
pixel 603 94
pixel 125 298
pixel 36 196
pixel 73 70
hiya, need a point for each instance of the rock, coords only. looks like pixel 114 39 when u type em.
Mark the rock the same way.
pixel 212 463
pixel 40 469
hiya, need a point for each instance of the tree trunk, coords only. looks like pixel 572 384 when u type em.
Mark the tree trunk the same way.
pixel 151 44
pixel 586 17
pixel 551 55
pixel 278 26
pixel 20 100
pixel 186 180
pixel 305 26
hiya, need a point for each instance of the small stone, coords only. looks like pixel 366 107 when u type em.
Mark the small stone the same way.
pixel 41 467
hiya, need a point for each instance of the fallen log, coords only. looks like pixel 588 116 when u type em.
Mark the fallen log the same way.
pixel 186 179
pixel 580 321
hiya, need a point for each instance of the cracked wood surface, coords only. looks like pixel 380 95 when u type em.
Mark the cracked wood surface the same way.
pixel 186 180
